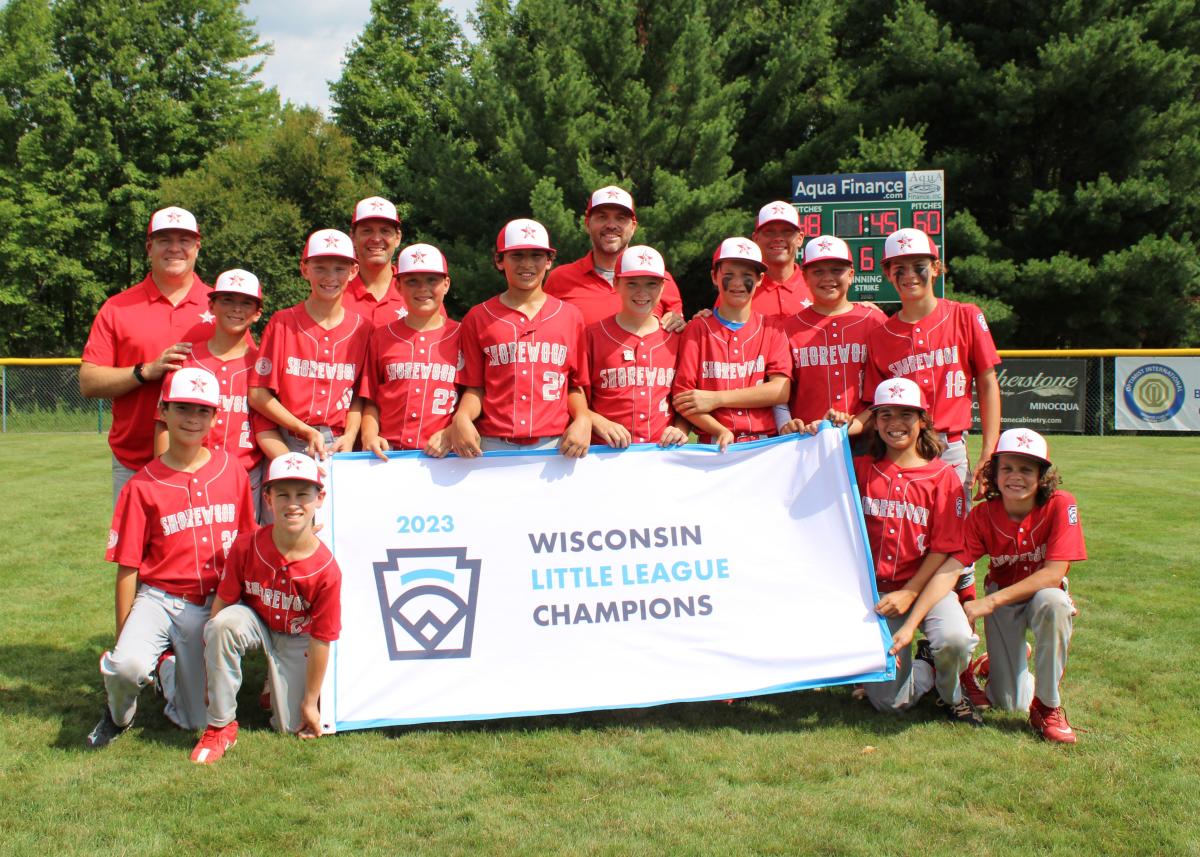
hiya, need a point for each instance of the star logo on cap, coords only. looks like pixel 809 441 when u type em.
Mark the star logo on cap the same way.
pixel 1025 440
pixel 613 193
pixel 293 463
pixel 528 232
pixel 199 385
pixel 418 256
pixel 744 248
pixel 905 242
pixel 173 216
pixel 896 391
pixel 825 245
pixel 377 205
pixel 207 317
pixel 778 208
pixel 645 258
pixel 402 312
pixel 236 280
pixel 331 240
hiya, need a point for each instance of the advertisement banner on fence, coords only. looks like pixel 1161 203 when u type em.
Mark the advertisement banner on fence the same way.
pixel 525 583
pixel 1157 393
pixel 1044 394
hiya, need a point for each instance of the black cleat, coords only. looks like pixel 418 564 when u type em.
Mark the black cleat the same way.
pixel 962 712
pixel 105 732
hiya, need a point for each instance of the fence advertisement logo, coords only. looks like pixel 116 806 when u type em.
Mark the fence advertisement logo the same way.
pixel 1160 394
pixel 1154 392
pixel 1042 394
pixel 427 601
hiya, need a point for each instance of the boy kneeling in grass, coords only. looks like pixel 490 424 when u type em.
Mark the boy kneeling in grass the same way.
pixel 289 586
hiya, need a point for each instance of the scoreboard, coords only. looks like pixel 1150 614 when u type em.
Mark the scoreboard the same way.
pixel 863 209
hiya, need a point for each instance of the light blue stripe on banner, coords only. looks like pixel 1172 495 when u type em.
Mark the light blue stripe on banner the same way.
pixel 426 574
pixel 350 725
pixel 884 632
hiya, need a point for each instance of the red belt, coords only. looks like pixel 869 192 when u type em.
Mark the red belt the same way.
pixel 521 441
pixel 953 436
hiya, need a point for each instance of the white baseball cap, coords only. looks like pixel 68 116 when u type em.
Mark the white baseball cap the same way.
pixel 739 249
pixel 825 248
pixel 908 242
pixel 421 259
pixel 777 212
pixel 173 217
pixel 192 385
pixel 641 261
pixel 237 282
pixel 328 242
pixel 375 208
pixel 523 234
pixel 293 465
pixel 1022 441
pixel 611 195
pixel 899 392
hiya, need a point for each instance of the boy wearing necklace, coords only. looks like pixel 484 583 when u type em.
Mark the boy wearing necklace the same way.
pixel 733 366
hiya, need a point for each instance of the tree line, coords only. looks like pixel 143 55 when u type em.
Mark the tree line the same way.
pixel 1069 134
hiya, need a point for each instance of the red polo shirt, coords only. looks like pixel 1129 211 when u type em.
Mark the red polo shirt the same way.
pixel 578 284
pixel 136 326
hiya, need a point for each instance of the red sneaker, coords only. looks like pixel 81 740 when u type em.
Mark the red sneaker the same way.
pixel 971 688
pixel 1051 723
pixel 214 742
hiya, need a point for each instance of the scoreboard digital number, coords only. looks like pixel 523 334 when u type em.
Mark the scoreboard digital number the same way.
pixel 863 209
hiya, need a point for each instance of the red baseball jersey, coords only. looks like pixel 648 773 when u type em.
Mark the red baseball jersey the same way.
pixel 412 377
pixel 713 357
pixel 231 430
pixel 773 298
pixel 176 528
pixel 313 371
pixel 829 356
pixel 303 596
pixel 136 326
pixel 910 512
pixel 378 312
pixel 579 284
pixel 1050 532
pixel 943 353
pixel 524 366
pixel 631 378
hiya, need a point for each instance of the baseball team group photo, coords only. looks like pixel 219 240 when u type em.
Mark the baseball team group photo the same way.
pixel 479 470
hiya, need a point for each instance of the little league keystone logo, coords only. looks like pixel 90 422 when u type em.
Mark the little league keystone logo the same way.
pixel 427 599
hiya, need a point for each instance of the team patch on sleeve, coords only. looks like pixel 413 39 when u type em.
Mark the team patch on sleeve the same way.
pixel 958 506
pixel 982 321
pixel 263 366
pixel 113 537
pixel 1072 515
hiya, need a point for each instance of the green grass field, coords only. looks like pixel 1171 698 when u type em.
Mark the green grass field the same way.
pixel 802 773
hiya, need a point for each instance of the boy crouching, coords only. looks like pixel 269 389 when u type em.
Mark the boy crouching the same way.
pixel 281 591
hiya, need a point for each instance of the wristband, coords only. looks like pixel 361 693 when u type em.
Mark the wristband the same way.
pixel 137 374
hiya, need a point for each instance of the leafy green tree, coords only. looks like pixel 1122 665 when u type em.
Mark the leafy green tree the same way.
pixel 557 99
pixel 258 199
pixel 393 84
pixel 102 100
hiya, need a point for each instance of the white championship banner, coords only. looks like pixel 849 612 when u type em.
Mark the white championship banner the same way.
pixel 525 583
pixel 1157 393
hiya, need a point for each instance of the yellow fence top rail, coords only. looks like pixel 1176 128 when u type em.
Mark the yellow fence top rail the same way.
pixel 1004 352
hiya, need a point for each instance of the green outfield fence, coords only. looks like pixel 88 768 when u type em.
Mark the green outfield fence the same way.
pixel 42 394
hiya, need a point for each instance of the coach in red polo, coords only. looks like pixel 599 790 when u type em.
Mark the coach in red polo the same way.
pixel 143 333
pixel 587 283
pixel 778 235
